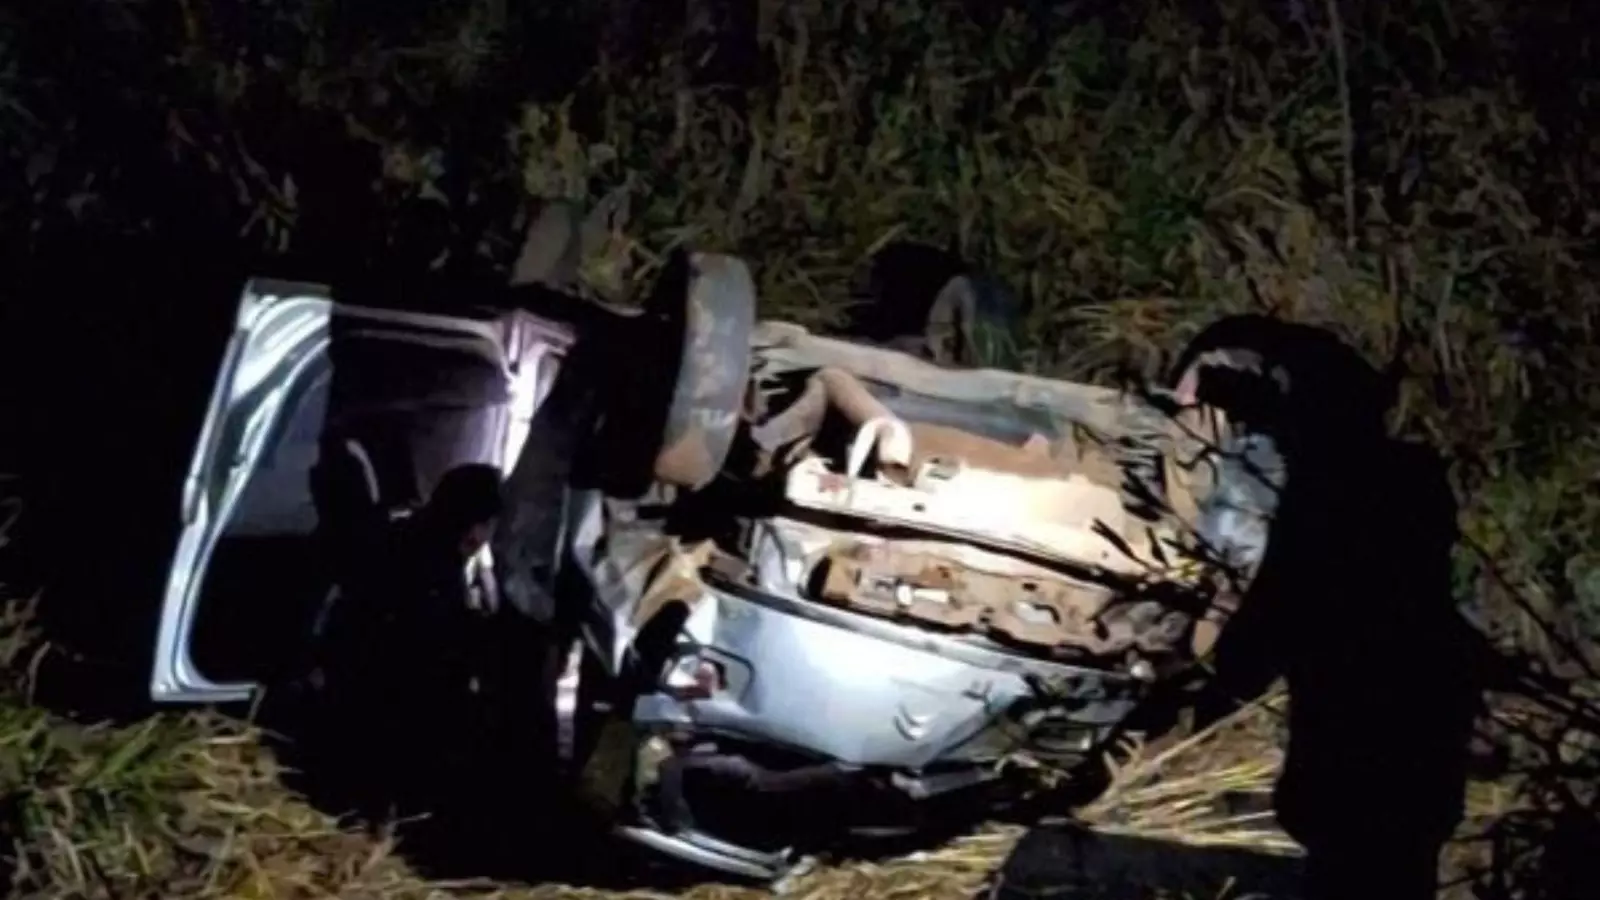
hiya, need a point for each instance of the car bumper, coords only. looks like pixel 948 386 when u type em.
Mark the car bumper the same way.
pixel 848 702
pixel 868 692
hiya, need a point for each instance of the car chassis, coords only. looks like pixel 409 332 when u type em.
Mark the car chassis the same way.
pixel 892 591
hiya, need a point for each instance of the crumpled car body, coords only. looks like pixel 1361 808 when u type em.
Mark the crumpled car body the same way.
pixel 884 592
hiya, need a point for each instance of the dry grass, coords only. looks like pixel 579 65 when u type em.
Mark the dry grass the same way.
pixel 192 806
pixel 1395 175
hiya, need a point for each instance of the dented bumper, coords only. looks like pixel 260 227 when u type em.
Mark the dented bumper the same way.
pixel 868 692
pixel 853 724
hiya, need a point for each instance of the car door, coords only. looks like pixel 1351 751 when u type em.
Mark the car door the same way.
pixel 407 395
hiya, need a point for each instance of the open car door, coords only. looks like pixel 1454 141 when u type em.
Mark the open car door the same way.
pixel 408 395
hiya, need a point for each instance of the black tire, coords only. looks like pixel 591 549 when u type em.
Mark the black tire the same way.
pixel 712 321
pixel 679 371
pixel 896 294
pixel 975 321
pixel 929 301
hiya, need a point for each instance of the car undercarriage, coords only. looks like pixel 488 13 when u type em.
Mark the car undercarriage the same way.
pixel 898 593
pixel 911 593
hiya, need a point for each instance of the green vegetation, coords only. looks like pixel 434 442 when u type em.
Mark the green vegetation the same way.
pixel 1417 175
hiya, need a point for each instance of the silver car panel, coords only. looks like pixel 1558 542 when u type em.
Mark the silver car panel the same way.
pixel 839 690
pixel 804 675
pixel 704 850
pixel 280 333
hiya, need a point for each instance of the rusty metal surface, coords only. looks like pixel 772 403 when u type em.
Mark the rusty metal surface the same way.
pixel 1037 543
pixel 1042 610
pixel 1055 495
pixel 826 389
pixel 904 566
pixel 1092 495
pixel 674 577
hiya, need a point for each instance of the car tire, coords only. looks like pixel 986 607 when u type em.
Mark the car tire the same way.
pixel 680 371
pixel 930 302
pixel 897 291
pixel 713 322
pixel 975 322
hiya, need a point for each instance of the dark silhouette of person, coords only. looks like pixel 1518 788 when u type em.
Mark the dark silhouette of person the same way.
pixel 1352 606
pixel 396 647
pixel 409 572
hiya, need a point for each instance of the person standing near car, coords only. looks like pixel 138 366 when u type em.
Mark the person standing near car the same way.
pixel 1352 606
pixel 399 641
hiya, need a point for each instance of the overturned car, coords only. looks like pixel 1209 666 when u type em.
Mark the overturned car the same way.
pixel 890 588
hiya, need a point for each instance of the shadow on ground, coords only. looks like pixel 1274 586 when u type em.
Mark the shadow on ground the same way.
pixel 1073 863
pixel 475 814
